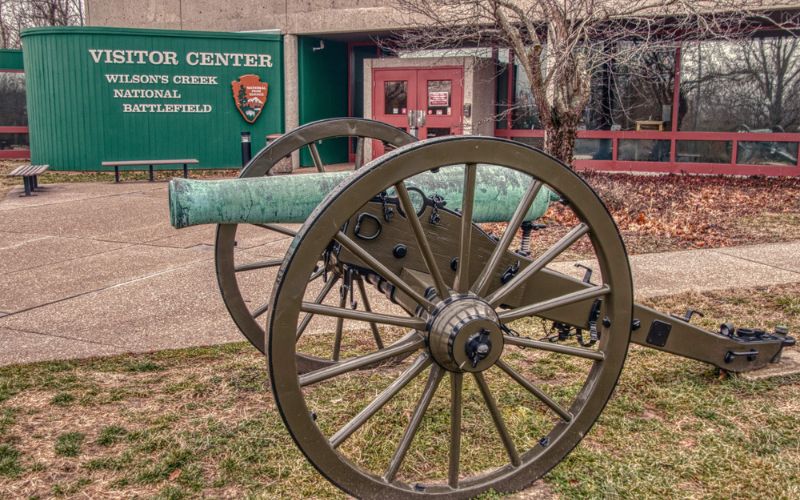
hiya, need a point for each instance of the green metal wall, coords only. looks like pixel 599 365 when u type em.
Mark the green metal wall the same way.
pixel 322 79
pixel 76 122
pixel 10 59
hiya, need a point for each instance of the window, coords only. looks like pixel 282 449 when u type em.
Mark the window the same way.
pixel 634 92
pixel 12 99
pixel 524 114
pixel 643 150
pixel 439 97
pixel 747 86
pixel 767 153
pixel 592 149
pixel 13 111
pixel 396 98
pixel 704 152
pixel 520 105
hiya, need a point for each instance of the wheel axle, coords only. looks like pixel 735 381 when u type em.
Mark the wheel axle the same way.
pixel 464 334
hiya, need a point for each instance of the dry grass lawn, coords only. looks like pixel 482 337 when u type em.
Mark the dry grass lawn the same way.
pixel 201 422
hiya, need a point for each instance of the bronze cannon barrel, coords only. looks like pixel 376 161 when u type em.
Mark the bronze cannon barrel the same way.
pixel 292 198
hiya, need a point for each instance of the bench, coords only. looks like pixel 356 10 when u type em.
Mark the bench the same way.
pixel 29 175
pixel 150 163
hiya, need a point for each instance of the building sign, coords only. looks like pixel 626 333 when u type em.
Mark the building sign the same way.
pixel 105 94
pixel 250 96
pixel 251 101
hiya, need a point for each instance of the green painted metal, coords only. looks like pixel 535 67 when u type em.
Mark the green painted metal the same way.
pixel 322 82
pixel 77 121
pixel 10 59
pixel 292 198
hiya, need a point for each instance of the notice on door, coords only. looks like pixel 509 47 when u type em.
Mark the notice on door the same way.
pixel 438 99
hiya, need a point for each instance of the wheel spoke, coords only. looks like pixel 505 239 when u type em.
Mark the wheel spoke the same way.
pixel 422 240
pixel 381 269
pixel 434 378
pixel 482 283
pixel 337 340
pixel 461 284
pixel 312 147
pixel 260 310
pixel 544 398
pixel 499 424
pixel 277 228
pixel 341 312
pixel 553 347
pixel 534 267
pixel 316 274
pixel 409 344
pixel 419 364
pixel 258 265
pixel 456 381
pixel 359 152
pixel 564 300
pixel 375 333
pixel 318 300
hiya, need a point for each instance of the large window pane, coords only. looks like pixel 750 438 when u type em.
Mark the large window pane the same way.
pixel 704 151
pixel 593 149
pixel 767 153
pixel 749 86
pixel 643 150
pixel 12 99
pixel 13 141
pixel 634 92
pixel 524 114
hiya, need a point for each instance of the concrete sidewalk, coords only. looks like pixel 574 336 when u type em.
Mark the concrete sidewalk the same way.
pixel 95 269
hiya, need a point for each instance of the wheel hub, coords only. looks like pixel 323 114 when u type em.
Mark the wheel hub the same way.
pixel 464 334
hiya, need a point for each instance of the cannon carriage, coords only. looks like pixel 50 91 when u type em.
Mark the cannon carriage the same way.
pixel 530 352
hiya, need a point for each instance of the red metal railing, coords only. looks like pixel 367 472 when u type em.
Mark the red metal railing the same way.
pixel 674 166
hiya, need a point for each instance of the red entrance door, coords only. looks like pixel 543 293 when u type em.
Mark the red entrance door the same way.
pixel 437 92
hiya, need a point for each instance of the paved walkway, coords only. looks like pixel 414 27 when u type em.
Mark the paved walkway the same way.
pixel 95 269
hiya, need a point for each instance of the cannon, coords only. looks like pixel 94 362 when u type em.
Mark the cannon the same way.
pixel 531 352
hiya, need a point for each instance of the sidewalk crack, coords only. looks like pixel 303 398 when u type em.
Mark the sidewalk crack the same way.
pixel 108 287
pixel 65 337
pixel 723 252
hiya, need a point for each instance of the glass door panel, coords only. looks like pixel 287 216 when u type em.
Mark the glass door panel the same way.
pixel 395 98
pixel 441 99
pixel 439 93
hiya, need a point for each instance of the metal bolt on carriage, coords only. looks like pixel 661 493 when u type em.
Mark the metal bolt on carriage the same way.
pixel 411 352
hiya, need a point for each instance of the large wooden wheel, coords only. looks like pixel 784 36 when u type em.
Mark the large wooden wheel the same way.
pixel 515 405
pixel 247 310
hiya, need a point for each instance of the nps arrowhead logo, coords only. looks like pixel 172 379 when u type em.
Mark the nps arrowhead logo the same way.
pixel 250 96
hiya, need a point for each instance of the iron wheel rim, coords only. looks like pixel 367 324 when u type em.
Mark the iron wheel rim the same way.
pixel 397 166
pixel 262 164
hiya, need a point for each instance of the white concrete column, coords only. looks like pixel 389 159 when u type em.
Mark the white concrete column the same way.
pixel 291 106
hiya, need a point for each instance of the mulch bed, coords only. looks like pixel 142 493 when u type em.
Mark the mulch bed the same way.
pixel 657 213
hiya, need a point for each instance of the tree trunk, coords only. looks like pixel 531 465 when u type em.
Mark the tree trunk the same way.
pixel 559 137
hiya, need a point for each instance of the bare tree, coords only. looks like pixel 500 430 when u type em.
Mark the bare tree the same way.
pixel 17 15
pixel 562 45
